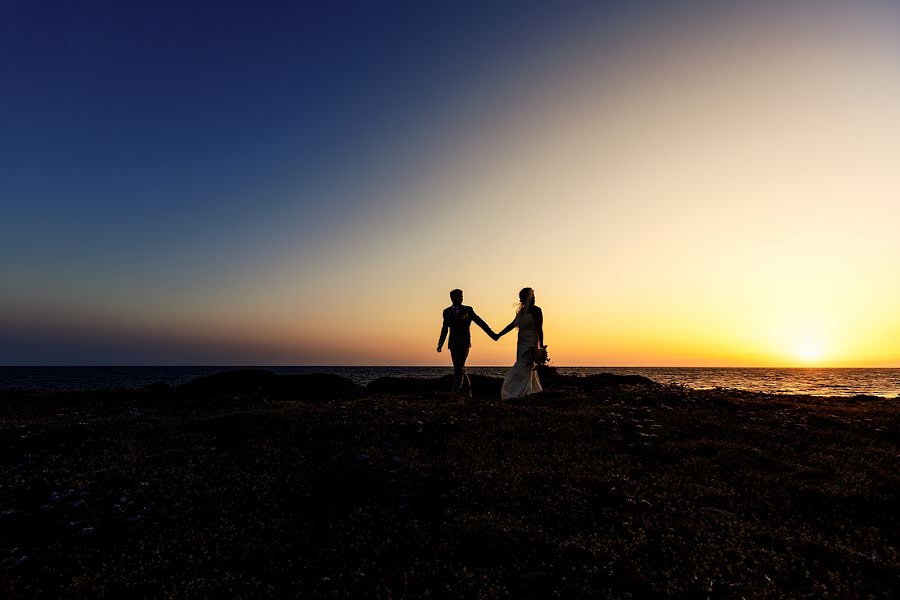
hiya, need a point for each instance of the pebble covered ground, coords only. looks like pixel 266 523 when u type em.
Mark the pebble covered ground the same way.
pixel 621 491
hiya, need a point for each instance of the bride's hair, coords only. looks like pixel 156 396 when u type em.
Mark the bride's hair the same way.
pixel 526 299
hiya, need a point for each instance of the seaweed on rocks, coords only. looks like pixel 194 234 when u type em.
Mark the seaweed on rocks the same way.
pixel 256 385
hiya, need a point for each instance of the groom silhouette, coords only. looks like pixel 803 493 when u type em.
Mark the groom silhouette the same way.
pixel 457 319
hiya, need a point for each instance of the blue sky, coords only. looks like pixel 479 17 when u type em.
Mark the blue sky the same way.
pixel 136 132
pixel 152 144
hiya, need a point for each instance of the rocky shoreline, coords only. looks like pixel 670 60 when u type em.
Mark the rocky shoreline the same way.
pixel 254 484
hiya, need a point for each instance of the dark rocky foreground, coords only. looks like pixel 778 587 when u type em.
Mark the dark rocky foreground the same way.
pixel 260 485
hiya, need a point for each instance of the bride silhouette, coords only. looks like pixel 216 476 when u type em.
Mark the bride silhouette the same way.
pixel 522 379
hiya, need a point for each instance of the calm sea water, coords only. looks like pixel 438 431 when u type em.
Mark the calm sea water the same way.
pixel 821 382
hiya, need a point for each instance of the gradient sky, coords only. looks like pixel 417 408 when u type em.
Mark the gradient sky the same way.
pixel 707 184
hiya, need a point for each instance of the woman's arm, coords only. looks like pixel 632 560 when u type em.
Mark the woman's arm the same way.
pixel 539 325
pixel 508 328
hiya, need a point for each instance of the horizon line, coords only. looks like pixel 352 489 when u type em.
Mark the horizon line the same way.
pixel 411 366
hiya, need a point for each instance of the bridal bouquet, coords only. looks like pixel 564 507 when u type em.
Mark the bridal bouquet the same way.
pixel 539 357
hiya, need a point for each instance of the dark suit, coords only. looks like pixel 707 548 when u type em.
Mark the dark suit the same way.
pixel 457 320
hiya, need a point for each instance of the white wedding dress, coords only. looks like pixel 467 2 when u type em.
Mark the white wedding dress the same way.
pixel 521 379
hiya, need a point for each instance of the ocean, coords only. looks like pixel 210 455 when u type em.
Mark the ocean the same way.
pixel 819 382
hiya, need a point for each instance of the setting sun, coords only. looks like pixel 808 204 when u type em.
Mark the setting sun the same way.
pixel 809 351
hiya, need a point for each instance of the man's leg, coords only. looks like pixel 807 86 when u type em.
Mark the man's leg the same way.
pixel 461 383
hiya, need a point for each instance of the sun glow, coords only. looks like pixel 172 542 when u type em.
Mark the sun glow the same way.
pixel 809 350
pixel 807 340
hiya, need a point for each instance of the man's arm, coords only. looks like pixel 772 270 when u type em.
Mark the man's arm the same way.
pixel 484 326
pixel 444 330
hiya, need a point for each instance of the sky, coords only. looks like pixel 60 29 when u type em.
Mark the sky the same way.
pixel 302 183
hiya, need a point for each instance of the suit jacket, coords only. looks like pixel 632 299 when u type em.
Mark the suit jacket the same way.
pixel 458 323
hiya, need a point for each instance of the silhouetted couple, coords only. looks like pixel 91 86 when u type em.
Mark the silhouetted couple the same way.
pixel 522 379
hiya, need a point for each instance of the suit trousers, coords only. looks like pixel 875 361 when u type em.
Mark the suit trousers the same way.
pixel 461 383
